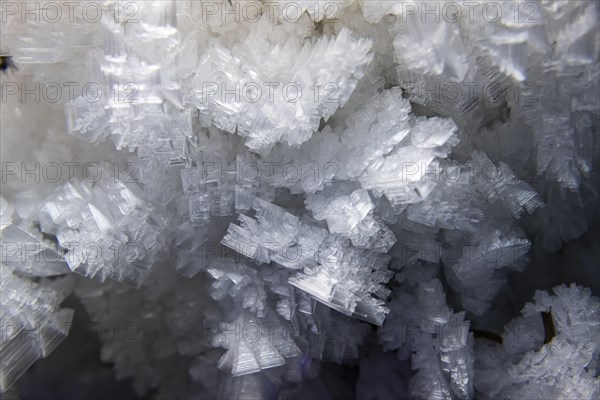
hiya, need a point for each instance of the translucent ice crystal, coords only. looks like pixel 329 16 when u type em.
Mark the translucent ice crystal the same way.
pixel 307 169
pixel 556 370
pixel 239 281
pixel 537 365
pixel 374 130
pixel 421 325
pixel 254 345
pixel 408 174
pixel 190 241
pixel 431 46
pixel 106 227
pixel 268 235
pixel 132 87
pixel 348 280
pixel 335 273
pixel 575 312
pixel 501 183
pixel 452 204
pixel 350 215
pixel 474 268
pixel 219 187
pixel 275 105
pixel 161 324
pixel 33 324
pixel 24 249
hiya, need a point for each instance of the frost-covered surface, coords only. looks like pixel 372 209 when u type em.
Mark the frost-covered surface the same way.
pixel 250 192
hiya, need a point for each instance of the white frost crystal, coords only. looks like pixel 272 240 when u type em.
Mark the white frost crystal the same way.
pixel 423 324
pixel 379 184
pixel 501 183
pixel 334 272
pixel 350 215
pixel 25 249
pixel 107 229
pixel 33 324
pixel 286 101
pixel 563 365
pixel 430 46
pixel 265 347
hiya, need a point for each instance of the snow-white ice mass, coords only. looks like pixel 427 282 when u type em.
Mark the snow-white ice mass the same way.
pixel 300 199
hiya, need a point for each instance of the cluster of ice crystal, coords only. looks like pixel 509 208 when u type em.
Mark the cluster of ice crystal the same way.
pixel 537 57
pixel 107 229
pixel 25 249
pixel 439 341
pixel 333 272
pixel 308 183
pixel 259 348
pixel 557 352
pixel 393 153
pixel 281 90
pixel 131 80
pixel 351 215
pixel 219 187
pixel 33 323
